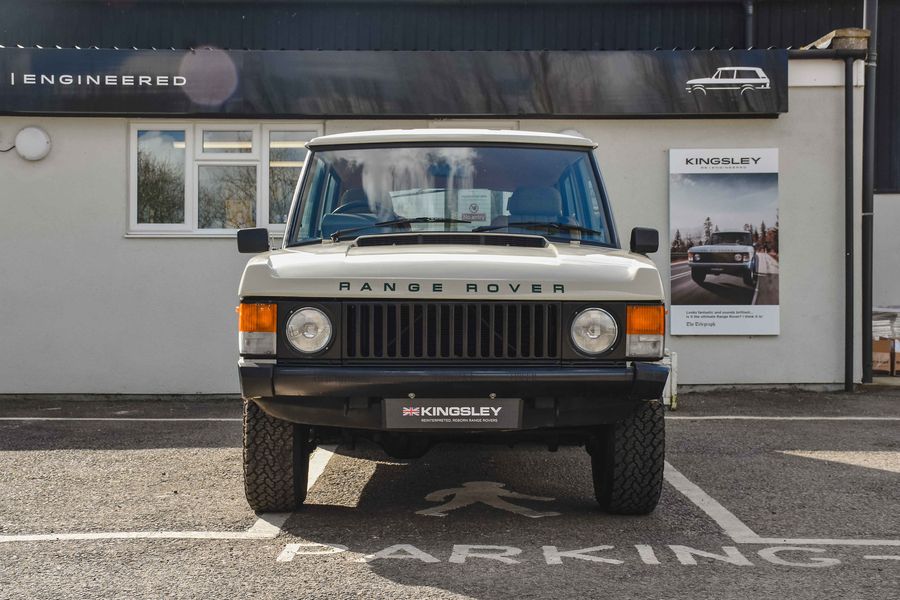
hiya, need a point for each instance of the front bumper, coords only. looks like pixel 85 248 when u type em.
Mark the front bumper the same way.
pixel 738 266
pixel 351 397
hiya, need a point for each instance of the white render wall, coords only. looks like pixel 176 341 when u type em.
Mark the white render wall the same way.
pixel 886 277
pixel 84 309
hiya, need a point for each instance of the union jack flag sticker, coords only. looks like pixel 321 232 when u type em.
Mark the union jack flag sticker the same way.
pixel 411 412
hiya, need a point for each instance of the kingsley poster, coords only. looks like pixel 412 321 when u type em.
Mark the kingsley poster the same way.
pixel 724 232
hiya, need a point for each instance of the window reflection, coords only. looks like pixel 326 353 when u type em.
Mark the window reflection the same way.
pixel 227 142
pixel 287 151
pixel 226 196
pixel 160 176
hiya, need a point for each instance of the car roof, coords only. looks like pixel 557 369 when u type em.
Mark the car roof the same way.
pixel 442 136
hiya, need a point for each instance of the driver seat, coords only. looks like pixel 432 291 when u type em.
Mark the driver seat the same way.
pixel 541 204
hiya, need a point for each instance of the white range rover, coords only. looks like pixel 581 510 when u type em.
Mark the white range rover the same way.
pixel 452 285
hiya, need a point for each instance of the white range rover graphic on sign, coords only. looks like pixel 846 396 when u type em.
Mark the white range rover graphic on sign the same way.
pixel 744 79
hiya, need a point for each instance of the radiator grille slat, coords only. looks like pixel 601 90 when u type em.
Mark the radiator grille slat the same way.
pixel 428 331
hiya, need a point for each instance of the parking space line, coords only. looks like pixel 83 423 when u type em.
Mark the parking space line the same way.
pixel 270 524
pixel 815 541
pixel 730 524
pixel 317 463
pixel 160 419
pixel 668 417
pixel 738 531
pixel 765 418
pixel 135 535
pixel 881 557
pixel 267 526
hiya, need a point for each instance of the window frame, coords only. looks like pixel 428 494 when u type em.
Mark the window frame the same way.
pixel 194 157
pixel 155 228
pixel 200 127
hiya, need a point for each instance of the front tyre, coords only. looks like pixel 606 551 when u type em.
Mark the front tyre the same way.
pixel 627 462
pixel 276 461
pixel 698 275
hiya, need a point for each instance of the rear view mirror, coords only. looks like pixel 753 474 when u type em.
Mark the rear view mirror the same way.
pixel 253 241
pixel 644 240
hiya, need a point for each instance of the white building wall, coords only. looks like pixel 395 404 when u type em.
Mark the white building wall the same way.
pixel 887 250
pixel 83 309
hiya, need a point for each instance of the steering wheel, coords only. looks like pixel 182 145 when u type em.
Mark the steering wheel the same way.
pixel 354 206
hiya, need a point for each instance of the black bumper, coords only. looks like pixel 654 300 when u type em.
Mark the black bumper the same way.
pixel 350 397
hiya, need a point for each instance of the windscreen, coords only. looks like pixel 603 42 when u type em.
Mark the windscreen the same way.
pixel 739 238
pixel 505 189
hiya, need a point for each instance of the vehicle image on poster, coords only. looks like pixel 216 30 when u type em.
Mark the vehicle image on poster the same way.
pixel 728 252
pixel 452 285
pixel 745 79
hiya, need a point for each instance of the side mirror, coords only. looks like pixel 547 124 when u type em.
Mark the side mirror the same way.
pixel 644 240
pixel 253 241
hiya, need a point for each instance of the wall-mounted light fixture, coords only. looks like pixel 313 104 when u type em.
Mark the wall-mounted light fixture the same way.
pixel 32 143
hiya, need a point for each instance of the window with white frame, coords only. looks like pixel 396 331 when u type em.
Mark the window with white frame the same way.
pixel 213 178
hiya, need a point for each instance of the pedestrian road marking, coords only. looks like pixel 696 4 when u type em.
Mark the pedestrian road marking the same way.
pixel 490 493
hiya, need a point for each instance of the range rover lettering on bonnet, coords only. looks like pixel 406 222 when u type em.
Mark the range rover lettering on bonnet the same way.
pixel 440 287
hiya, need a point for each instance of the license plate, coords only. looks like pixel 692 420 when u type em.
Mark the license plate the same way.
pixel 453 413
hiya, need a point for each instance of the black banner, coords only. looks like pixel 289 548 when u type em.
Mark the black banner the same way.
pixel 354 84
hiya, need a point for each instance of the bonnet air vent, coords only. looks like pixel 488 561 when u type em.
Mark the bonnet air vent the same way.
pixel 478 239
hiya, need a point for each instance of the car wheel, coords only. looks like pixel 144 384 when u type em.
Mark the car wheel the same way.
pixel 750 278
pixel 276 461
pixel 698 89
pixel 698 275
pixel 746 88
pixel 627 462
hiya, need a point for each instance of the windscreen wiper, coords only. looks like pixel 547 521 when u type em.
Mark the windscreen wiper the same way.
pixel 539 225
pixel 336 236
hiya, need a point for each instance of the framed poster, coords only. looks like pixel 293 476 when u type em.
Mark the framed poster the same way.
pixel 723 227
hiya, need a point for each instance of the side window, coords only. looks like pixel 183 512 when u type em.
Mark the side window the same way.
pixel 592 202
pixel 310 205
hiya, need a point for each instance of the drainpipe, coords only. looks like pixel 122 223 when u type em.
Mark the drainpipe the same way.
pixel 849 56
pixel 849 225
pixel 868 186
pixel 749 27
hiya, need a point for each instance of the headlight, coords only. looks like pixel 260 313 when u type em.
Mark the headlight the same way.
pixel 738 257
pixel 696 257
pixel 594 331
pixel 308 330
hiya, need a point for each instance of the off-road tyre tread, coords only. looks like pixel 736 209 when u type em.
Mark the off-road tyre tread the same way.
pixel 276 461
pixel 628 463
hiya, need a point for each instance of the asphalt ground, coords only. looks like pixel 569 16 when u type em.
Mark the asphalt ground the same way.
pixel 751 473
pixel 724 289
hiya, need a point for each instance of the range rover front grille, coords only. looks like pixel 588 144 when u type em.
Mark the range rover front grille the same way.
pixel 717 257
pixel 506 331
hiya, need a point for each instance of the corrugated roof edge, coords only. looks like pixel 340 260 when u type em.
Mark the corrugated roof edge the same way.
pixel 507 136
